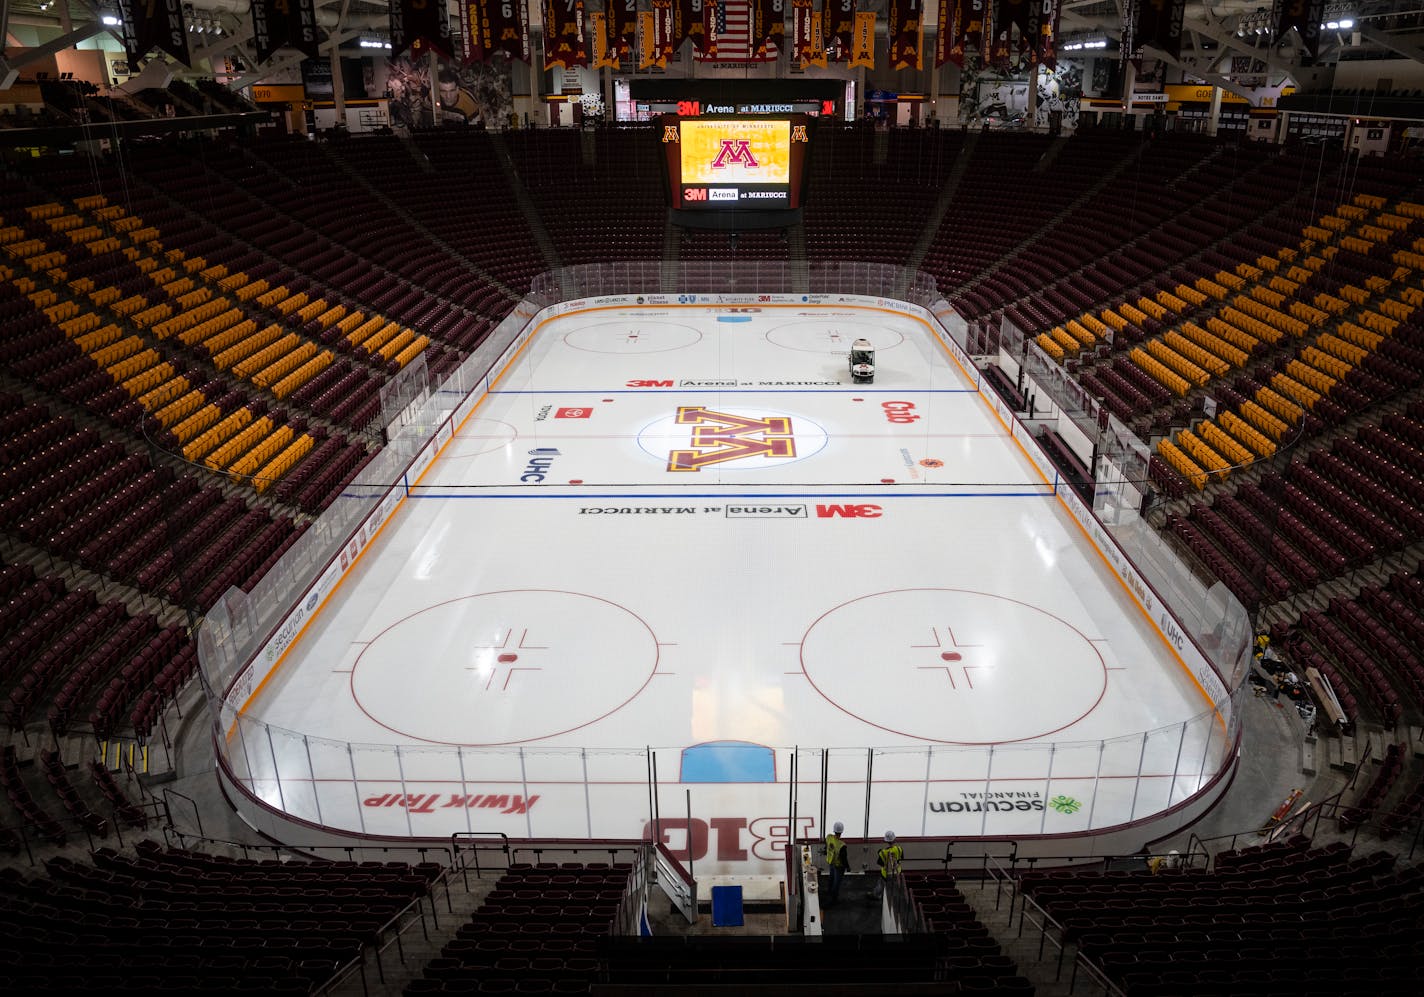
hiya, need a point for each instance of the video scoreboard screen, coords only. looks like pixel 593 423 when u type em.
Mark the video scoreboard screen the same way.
pixel 723 163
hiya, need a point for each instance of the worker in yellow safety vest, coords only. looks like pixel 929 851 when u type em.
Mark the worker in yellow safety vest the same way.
pixel 838 861
pixel 889 859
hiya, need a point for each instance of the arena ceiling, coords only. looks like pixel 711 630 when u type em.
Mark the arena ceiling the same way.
pixel 1213 33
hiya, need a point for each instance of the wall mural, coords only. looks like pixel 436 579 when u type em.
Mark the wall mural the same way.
pixel 999 98
pixel 477 94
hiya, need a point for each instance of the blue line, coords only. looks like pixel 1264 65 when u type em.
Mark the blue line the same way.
pixel 769 390
pixel 723 496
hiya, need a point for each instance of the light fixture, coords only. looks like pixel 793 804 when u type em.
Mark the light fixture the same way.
pixel 110 21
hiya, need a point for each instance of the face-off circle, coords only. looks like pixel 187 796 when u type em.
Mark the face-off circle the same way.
pixel 830 336
pixel 505 667
pixel 480 436
pixel 954 666
pixel 632 337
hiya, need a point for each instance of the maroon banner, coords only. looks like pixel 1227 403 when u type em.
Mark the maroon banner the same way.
pixel 490 26
pixel 1159 24
pixel 153 24
pixel 801 41
pixel 1010 14
pixel 840 28
pixel 662 30
pixel 419 25
pixel 1303 15
pixel 712 22
pixel 903 27
pixel 967 29
pixel 563 34
pixel 768 27
pixel 1047 14
pixel 284 23
pixel 686 22
pixel 622 27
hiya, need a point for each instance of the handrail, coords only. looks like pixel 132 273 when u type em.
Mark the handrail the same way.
pixel 683 891
pixel 1049 921
pixel 1002 877
pixel 1194 842
pixel 457 852
pixel 26 831
pixel 375 941
pixel 1093 970
pixel 197 814
pixel 310 852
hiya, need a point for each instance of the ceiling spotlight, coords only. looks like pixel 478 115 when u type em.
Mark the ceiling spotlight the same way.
pixel 1347 23
pixel 110 21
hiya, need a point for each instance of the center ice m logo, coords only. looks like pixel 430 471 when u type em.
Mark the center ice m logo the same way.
pixel 735 150
pixel 721 436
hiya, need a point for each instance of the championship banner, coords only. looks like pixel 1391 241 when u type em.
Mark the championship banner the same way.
pixel 648 49
pixel 947 27
pixel 1303 15
pixel 713 24
pixel 768 27
pixel 840 28
pixel 687 22
pixel 818 41
pixel 971 20
pixel 598 33
pixel 808 34
pixel 801 11
pixel 906 34
pixel 490 26
pixel 970 17
pixel 622 27
pixel 1010 14
pixel 563 34
pixel 302 35
pixel 1045 39
pixel 1159 24
pixel 279 23
pixel 419 25
pixel 269 27
pixel 862 48
pixel 148 25
pixel 662 30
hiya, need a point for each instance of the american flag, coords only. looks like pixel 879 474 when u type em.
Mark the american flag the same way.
pixel 734 28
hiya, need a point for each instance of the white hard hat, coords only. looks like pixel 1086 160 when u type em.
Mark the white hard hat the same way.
pixel 838 827
pixel 889 835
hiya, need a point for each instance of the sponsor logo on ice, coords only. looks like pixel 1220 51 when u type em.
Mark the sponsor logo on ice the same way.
pixel 540 460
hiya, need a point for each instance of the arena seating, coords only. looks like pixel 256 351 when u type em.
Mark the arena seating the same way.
pixel 538 928
pixel 241 308
pixel 156 921
pixel 1281 918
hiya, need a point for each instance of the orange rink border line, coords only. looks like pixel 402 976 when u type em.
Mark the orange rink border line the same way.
pixel 1176 655
pixel 491 384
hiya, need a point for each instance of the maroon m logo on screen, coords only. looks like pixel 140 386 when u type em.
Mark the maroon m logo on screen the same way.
pixel 735 150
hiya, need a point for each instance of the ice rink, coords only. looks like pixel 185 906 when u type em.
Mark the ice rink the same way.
pixel 680 535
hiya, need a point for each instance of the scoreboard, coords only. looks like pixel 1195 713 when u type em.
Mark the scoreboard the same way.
pixel 722 163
